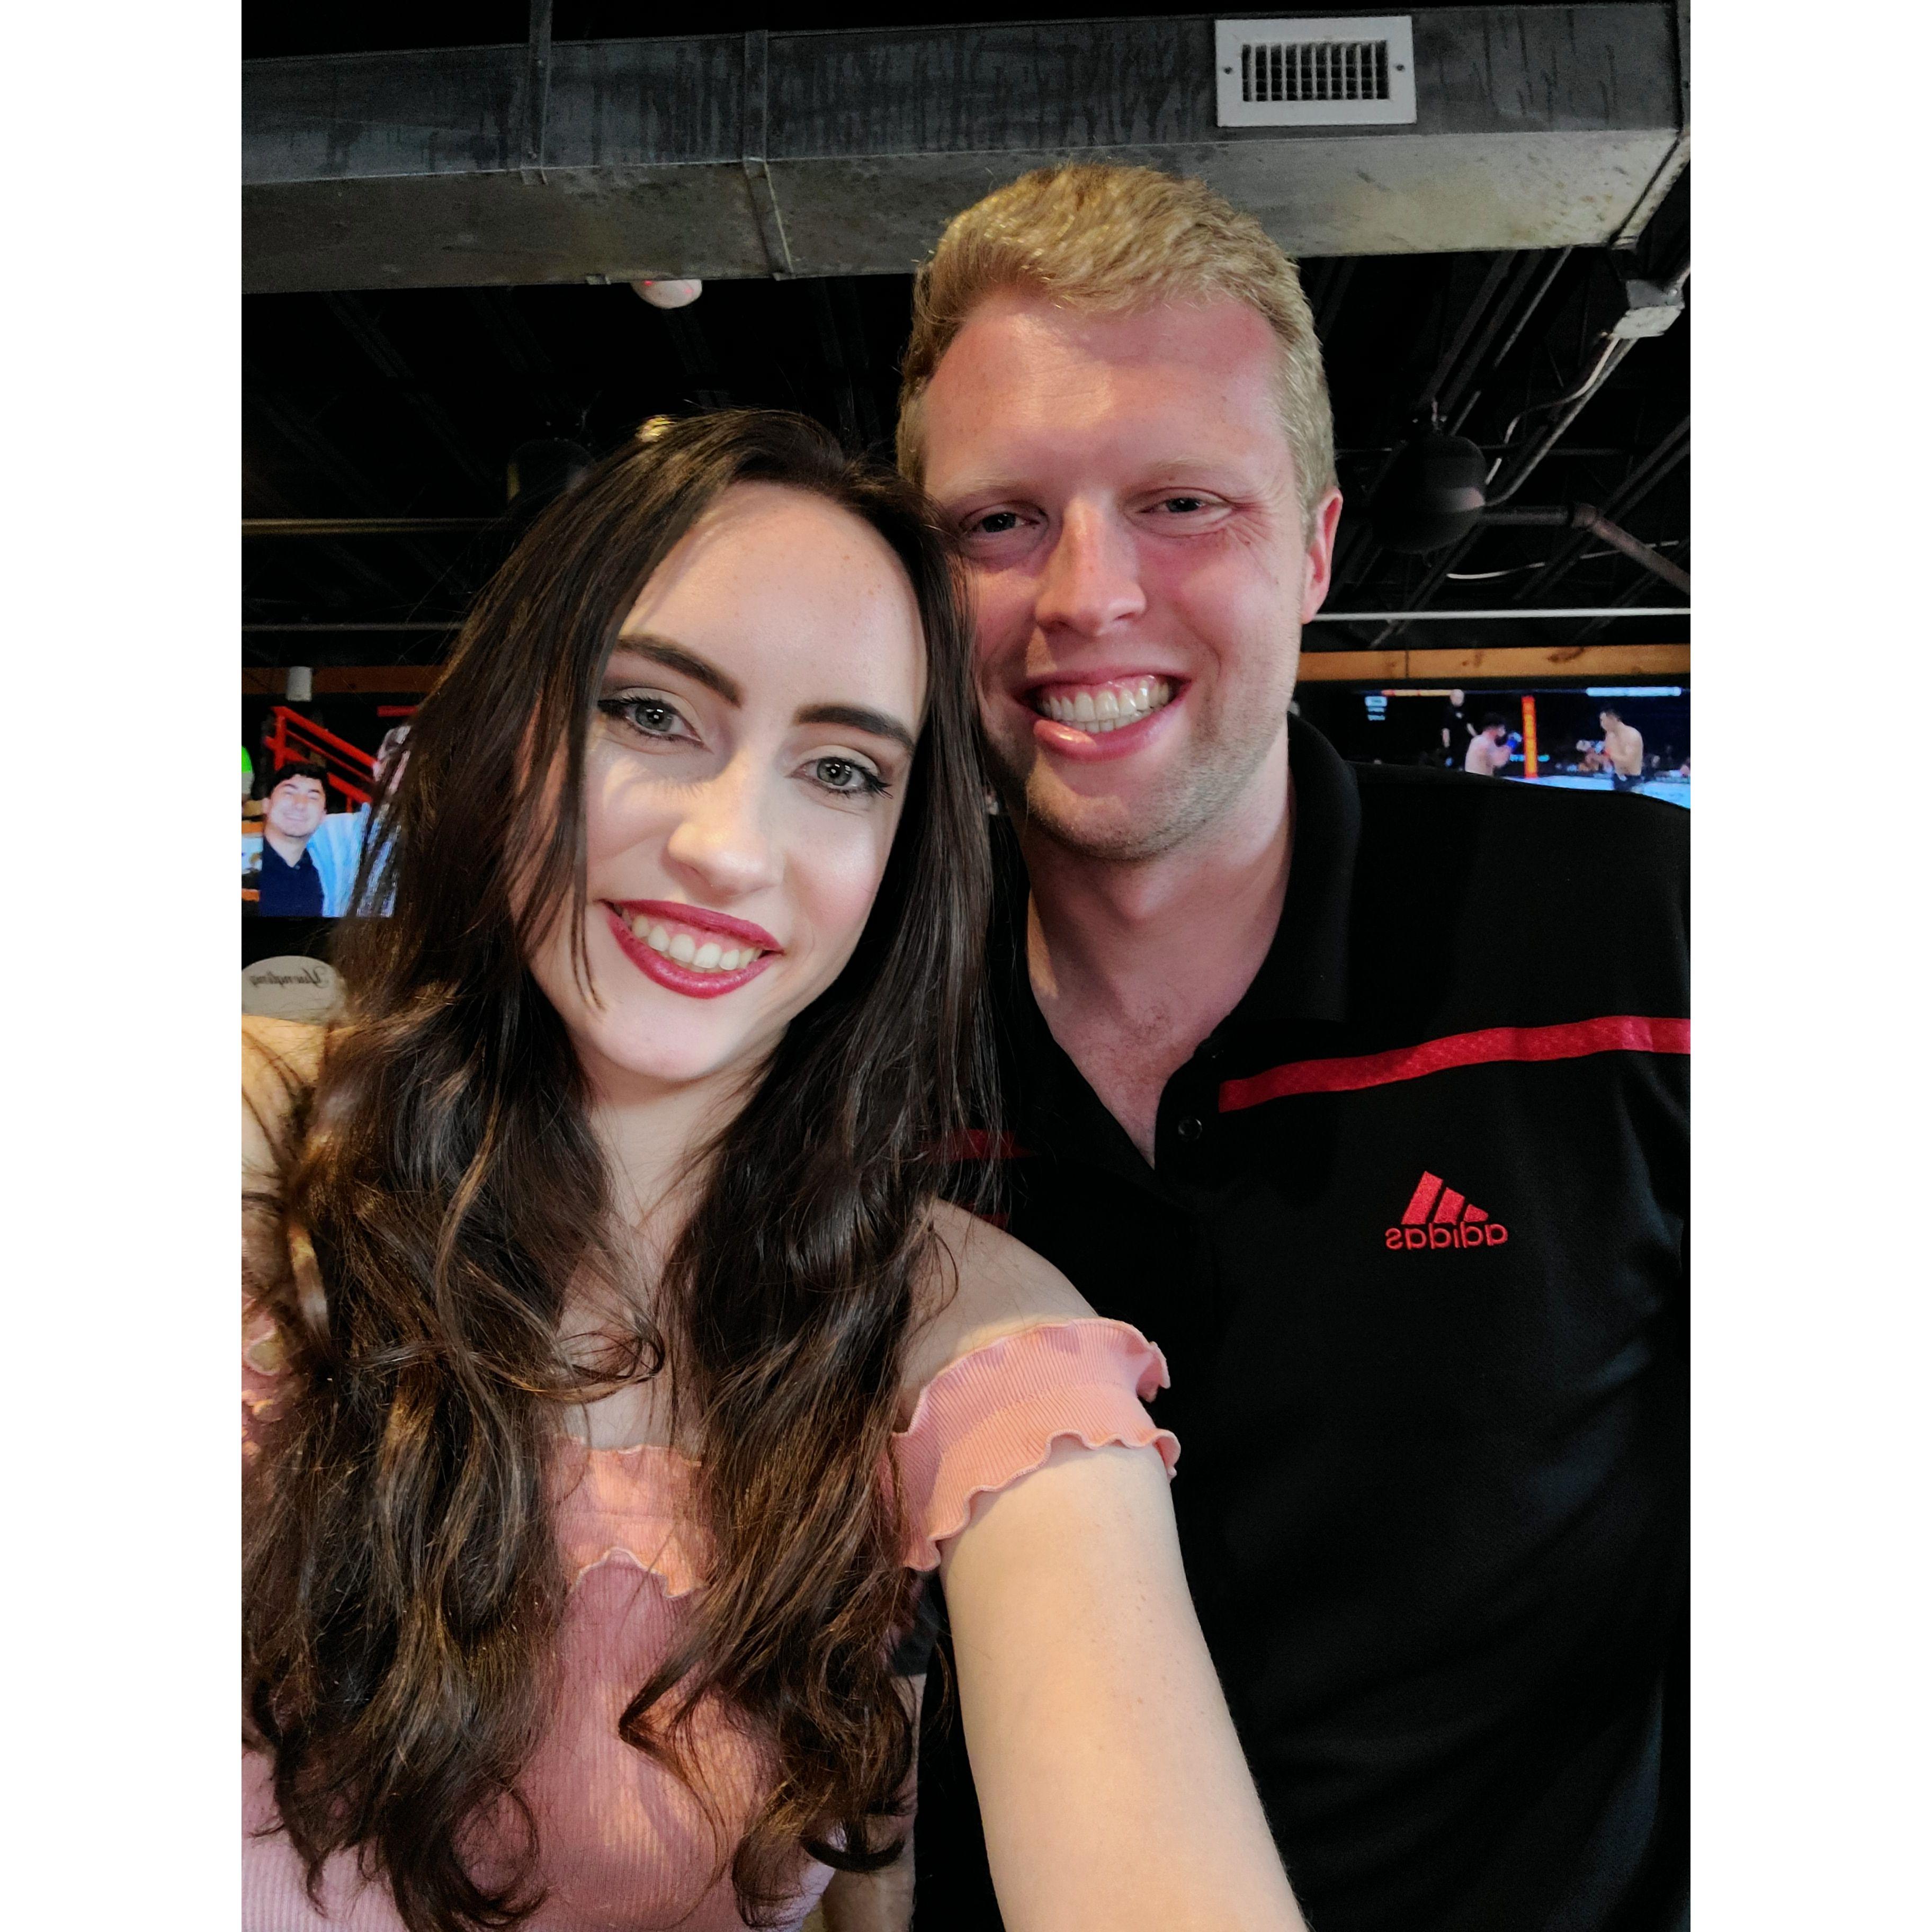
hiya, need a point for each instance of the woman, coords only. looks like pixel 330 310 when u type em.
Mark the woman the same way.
pixel 614 1368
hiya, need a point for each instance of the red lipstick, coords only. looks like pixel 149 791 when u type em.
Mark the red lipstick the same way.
pixel 702 917
pixel 671 973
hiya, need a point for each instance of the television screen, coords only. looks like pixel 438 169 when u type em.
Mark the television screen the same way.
pixel 308 786
pixel 1632 737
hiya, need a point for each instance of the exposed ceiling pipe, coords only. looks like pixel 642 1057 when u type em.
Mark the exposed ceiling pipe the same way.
pixel 363 329
pixel 1650 310
pixel 1522 322
pixel 1453 354
pixel 1453 390
pixel 1358 543
pixel 1671 450
pixel 1587 516
pixel 1571 405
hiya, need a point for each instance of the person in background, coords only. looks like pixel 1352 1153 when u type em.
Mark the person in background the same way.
pixel 1457 731
pixel 1489 750
pixel 1402 1183
pixel 1623 747
pixel 290 886
pixel 338 845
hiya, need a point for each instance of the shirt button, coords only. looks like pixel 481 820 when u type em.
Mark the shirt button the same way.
pixel 1188 1127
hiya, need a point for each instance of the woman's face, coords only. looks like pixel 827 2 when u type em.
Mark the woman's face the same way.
pixel 745 771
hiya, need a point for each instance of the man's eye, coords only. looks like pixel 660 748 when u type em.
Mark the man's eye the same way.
pixel 846 774
pixel 1183 506
pixel 994 523
pixel 651 717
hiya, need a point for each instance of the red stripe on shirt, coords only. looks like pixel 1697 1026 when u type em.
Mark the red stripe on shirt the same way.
pixel 975 1144
pixel 1617 1032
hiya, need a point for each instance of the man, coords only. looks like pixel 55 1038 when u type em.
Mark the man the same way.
pixel 337 845
pixel 1623 750
pixel 291 888
pixel 1489 750
pixel 1457 731
pixel 1399 1186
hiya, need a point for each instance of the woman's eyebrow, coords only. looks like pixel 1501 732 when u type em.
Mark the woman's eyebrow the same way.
pixel 675 657
pixel 859 718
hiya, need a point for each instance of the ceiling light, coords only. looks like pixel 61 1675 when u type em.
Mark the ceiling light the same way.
pixel 669 295
pixel 1432 494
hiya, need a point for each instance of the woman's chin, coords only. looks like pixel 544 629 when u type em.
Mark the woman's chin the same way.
pixel 643 1059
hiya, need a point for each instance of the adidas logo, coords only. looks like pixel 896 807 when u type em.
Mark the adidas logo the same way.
pixel 1439 1217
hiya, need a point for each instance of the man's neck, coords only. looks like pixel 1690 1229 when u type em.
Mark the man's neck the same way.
pixel 1134 963
pixel 290 850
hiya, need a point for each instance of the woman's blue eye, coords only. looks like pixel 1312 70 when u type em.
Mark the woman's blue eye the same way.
pixel 652 716
pixel 844 775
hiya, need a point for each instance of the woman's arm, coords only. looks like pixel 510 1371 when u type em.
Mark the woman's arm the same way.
pixel 1112 1788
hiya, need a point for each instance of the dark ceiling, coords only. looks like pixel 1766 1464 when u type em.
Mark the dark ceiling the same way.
pixel 411 404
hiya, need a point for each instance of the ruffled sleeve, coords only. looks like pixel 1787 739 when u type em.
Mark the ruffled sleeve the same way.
pixel 995 1416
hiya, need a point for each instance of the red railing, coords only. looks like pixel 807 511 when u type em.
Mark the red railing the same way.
pixel 297 739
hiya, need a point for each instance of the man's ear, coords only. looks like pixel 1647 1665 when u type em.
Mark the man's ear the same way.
pixel 1320 556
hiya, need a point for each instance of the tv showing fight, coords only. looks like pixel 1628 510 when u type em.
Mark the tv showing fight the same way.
pixel 1608 737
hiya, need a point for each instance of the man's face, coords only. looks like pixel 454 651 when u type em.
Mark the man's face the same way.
pixel 296 807
pixel 1605 720
pixel 1132 522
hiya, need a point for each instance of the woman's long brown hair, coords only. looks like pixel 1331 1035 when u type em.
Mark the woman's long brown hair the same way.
pixel 441 1197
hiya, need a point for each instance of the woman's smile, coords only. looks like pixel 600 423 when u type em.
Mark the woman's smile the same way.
pixel 691 950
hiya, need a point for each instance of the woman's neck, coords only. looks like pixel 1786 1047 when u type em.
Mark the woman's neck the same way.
pixel 648 1131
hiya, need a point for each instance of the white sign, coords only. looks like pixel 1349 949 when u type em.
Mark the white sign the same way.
pixel 291 988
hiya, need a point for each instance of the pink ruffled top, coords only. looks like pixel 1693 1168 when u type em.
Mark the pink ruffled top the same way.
pixel 624 1843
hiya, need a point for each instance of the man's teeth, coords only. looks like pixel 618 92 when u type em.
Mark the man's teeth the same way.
pixel 1105 707
pixel 709 957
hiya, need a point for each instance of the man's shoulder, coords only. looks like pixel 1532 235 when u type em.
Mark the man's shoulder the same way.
pixel 1490 890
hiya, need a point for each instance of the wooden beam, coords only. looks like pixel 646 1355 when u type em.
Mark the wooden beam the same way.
pixel 1515 663
pixel 1353 667
pixel 346 680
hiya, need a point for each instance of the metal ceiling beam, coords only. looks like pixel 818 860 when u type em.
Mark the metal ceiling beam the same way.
pixel 363 330
pixel 844 153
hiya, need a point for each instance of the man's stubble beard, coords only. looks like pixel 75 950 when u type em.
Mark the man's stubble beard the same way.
pixel 1162 821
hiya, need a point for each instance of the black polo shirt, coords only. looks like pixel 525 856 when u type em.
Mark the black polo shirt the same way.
pixel 1415 1246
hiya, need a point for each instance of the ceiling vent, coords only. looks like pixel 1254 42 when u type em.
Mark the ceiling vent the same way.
pixel 1356 71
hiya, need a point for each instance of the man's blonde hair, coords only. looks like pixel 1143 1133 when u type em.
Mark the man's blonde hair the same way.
pixel 1106 238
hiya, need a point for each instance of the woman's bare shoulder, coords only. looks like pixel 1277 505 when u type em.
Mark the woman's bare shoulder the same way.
pixel 983 1285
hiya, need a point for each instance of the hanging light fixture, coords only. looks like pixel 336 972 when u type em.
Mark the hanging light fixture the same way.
pixel 670 294
pixel 1432 495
